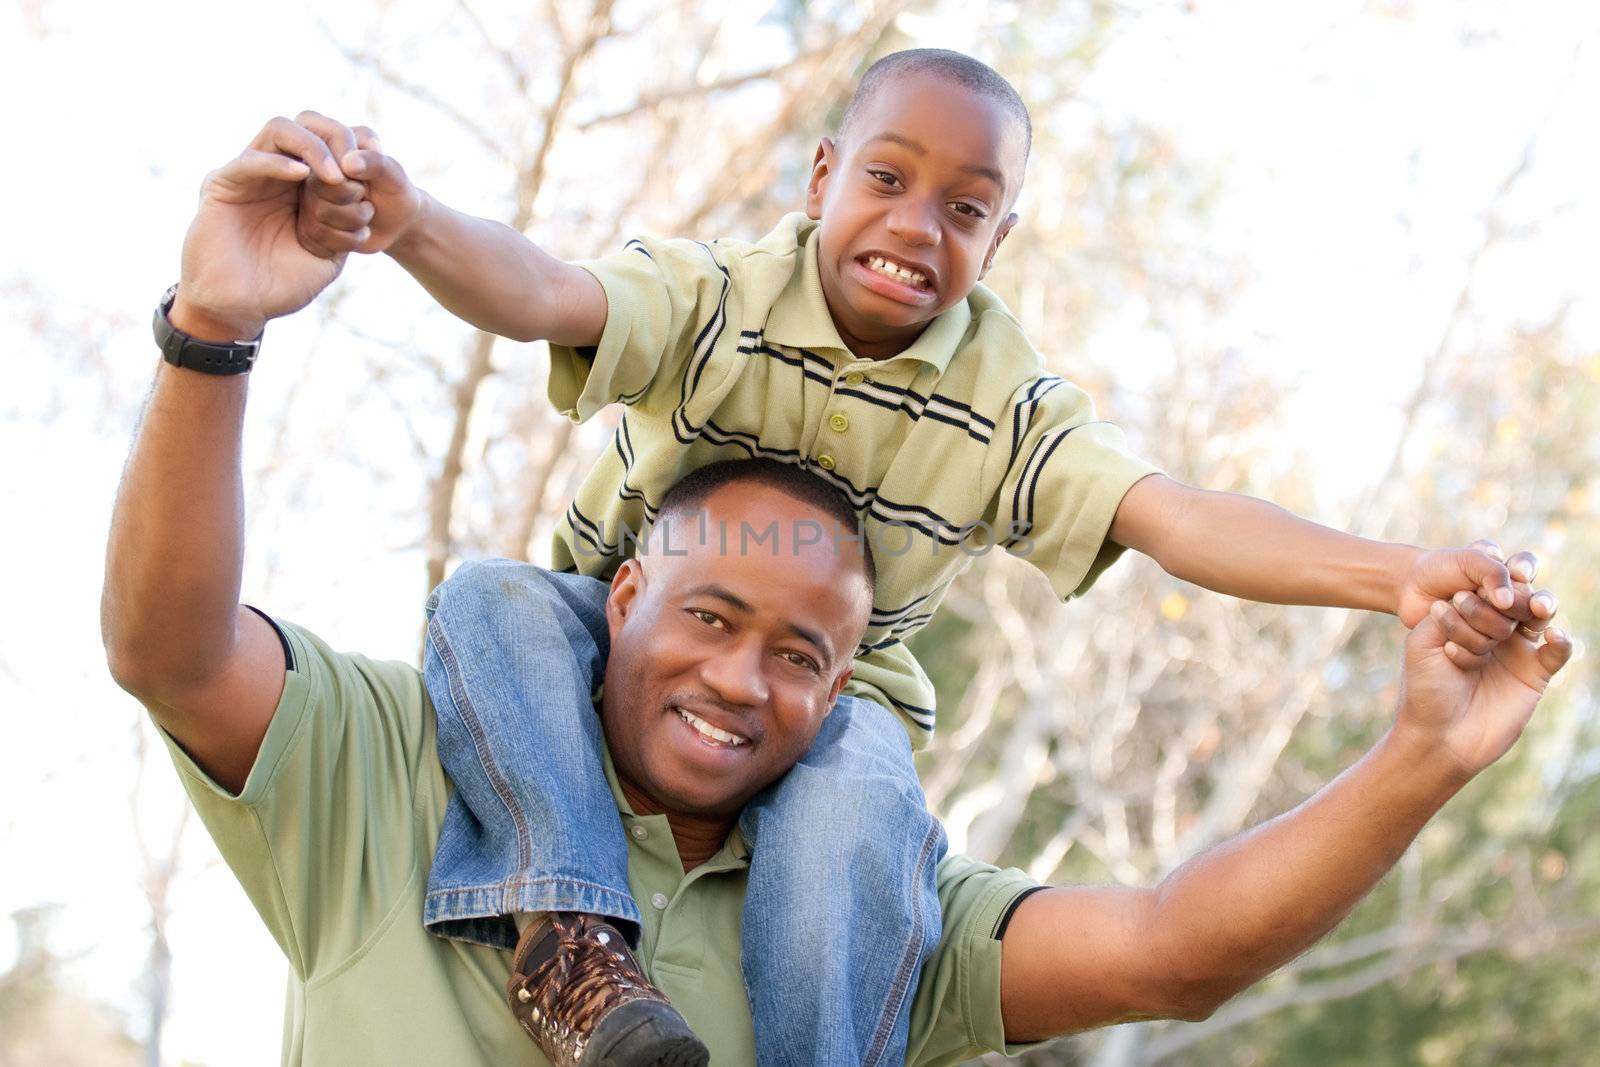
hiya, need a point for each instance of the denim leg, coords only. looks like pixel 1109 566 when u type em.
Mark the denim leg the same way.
pixel 514 654
pixel 842 908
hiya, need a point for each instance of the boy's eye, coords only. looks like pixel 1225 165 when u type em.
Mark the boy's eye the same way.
pixel 707 617
pixel 884 177
pixel 970 209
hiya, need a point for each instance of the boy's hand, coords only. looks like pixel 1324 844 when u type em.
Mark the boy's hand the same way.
pixel 1466 697
pixel 1481 567
pixel 375 207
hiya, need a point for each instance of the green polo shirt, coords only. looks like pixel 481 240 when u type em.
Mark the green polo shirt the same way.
pixel 332 838
pixel 960 445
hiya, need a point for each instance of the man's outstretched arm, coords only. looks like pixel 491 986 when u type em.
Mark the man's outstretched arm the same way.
pixel 1075 958
pixel 174 631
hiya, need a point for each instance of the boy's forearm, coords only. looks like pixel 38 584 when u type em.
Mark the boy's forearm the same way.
pixel 499 281
pixel 1249 548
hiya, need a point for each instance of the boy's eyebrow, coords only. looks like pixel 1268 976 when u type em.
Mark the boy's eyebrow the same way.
pixel 981 170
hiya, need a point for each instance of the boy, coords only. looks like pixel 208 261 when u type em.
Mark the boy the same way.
pixel 853 340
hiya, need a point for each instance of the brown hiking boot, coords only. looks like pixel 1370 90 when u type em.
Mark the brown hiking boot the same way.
pixel 582 997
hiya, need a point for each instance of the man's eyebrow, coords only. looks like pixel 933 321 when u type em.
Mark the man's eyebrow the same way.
pixel 816 638
pixel 982 170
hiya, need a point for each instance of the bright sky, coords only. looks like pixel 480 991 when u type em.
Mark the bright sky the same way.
pixel 1360 142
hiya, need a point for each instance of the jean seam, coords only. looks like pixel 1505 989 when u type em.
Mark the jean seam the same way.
pixel 908 963
pixel 469 719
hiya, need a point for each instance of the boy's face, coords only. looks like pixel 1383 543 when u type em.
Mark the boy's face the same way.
pixel 914 201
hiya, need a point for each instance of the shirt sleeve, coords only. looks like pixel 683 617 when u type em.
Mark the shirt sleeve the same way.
pixel 1068 474
pixel 955 1014
pixel 665 304
pixel 322 836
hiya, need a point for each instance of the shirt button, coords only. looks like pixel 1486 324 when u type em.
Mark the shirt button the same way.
pixel 639 833
pixel 825 461
pixel 855 377
pixel 840 423
pixel 659 901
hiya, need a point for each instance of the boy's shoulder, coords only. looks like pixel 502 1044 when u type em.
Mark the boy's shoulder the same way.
pixel 751 270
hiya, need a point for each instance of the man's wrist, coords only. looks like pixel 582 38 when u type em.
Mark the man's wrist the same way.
pixel 203 325
pixel 1422 758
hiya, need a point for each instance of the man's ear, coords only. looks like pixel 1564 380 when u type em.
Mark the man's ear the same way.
pixel 994 246
pixel 838 685
pixel 624 596
pixel 821 169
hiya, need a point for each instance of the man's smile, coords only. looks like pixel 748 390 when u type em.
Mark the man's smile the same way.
pixel 711 735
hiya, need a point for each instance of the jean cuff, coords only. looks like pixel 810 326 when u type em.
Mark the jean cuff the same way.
pixel 482 914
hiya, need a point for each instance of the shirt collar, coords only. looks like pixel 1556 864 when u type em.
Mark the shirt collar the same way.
pixel 799 317
pixel 733 855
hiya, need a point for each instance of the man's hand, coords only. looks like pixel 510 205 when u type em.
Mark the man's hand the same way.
pixel 243 262
pixel 1473 674
pixel 1480 567
pixel 377 207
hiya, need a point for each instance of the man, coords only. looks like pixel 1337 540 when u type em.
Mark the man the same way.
pixel 317 772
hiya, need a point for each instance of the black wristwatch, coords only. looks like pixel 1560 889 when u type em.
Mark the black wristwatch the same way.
pixel 208 357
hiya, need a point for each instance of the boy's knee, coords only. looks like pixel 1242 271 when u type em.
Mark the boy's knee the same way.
pixel 481 583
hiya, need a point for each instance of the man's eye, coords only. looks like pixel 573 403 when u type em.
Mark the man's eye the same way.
pixel 801 660
pixel 709 618
pixel 885 177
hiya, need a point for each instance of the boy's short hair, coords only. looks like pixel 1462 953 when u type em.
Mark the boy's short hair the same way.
pixel 786 478
pixel 971 73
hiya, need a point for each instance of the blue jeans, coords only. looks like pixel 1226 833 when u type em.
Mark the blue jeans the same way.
pixel 841 909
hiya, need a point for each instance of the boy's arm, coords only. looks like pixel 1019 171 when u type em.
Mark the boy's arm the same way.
pixel 481 271
pixel 1074 958
pixel 1258 551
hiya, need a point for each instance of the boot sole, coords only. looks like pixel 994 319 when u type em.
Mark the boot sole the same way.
pixel 645 1034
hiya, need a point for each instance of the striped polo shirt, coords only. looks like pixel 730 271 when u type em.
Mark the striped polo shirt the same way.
pixel 960 445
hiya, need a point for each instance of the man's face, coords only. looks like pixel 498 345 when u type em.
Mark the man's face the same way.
pixel 922 182
pixel 724 663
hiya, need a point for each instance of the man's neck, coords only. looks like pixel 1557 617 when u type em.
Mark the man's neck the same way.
pixel 698 837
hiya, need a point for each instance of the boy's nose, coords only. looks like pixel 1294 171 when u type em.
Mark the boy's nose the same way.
pixel 914 223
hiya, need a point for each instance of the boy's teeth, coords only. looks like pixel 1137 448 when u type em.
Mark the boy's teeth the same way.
pixel 707 730
pixel 892 270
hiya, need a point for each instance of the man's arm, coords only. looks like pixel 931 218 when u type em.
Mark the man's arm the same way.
pixel 481 271
pixel 1249 548
pixel 175 633
pixel 1083 957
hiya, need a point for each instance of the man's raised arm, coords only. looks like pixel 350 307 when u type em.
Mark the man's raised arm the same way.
pixel 1075 958
pixel 175 633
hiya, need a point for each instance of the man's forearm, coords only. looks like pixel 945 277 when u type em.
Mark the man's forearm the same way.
pixel 176 546
pixel 1233 914
pixel 498 280
pixel 1258 551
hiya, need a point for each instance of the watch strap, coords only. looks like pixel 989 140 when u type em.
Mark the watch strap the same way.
pixel 207 357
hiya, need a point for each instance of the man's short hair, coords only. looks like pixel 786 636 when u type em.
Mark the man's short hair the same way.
pixel 792 481
pixel 971 73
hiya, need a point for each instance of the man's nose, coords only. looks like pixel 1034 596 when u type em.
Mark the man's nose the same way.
pixel 735 674
pixel 914 221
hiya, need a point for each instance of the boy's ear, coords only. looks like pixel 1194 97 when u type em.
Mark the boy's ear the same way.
pixel 821 168
pixel 994 246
